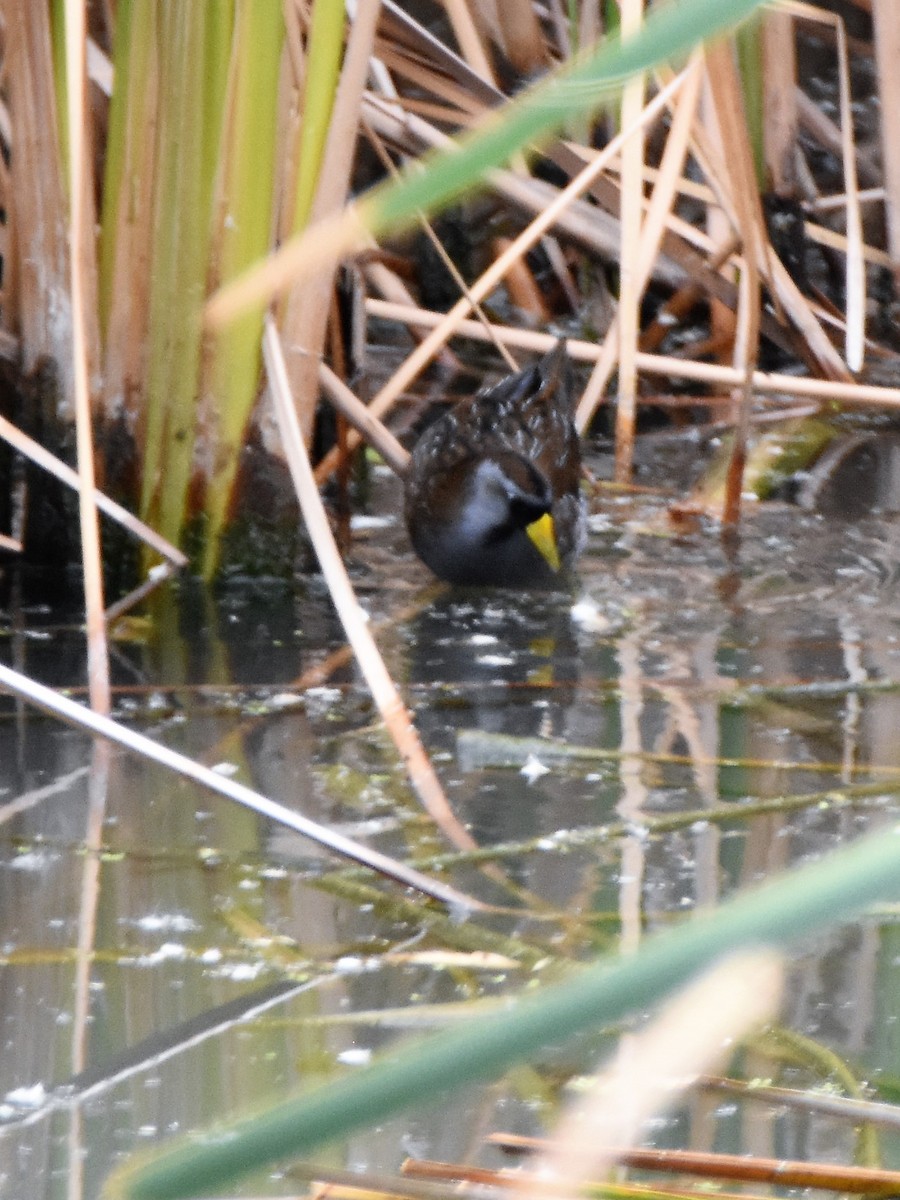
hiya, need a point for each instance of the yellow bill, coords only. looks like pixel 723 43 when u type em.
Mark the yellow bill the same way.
pixel 543 535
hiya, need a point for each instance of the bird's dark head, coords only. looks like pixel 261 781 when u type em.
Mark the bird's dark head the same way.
pixel 496 529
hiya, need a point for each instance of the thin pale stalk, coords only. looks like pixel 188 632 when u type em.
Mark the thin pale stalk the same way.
pixel 34 796
pixel 630 217
pixel 391 287
pixel 89 900
pixel 767 382
pixel 156 578
pixel 384 693
pixel 855 288
pixel 97 655
pixel 101 726
pixel 98 660
pixel 829 203
pixel 836 241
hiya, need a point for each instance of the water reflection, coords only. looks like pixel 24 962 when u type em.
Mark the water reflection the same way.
pixel 232 963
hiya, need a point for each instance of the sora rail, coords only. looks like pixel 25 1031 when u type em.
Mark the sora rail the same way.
pixel 493 487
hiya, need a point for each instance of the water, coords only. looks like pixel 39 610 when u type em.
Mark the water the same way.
pixel 224 964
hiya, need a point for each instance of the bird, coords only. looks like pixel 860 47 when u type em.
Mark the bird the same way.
pixel 493 487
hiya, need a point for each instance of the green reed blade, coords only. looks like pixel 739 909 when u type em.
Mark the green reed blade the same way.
pixel 798 903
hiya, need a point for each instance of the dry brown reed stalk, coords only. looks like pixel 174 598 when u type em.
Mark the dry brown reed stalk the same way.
pixel 79 251
pixel 384 693
pixel 766 382
pixel 886 15
pixel 518 32
pixel 726 91
pixel 780 120
pixel 661 202
pixel 466 34
pixel 523 291
pixel 836 241
pixel 479 1183
pixel 457 100
pixel 125 283
pixel 782 1172
pixel 37 208
pixel 425 352
pixel 630 284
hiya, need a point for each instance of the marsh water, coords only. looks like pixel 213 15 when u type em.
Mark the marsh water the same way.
pixel 170 960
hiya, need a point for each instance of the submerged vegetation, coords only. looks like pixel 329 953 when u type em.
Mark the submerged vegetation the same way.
pixel 209 208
